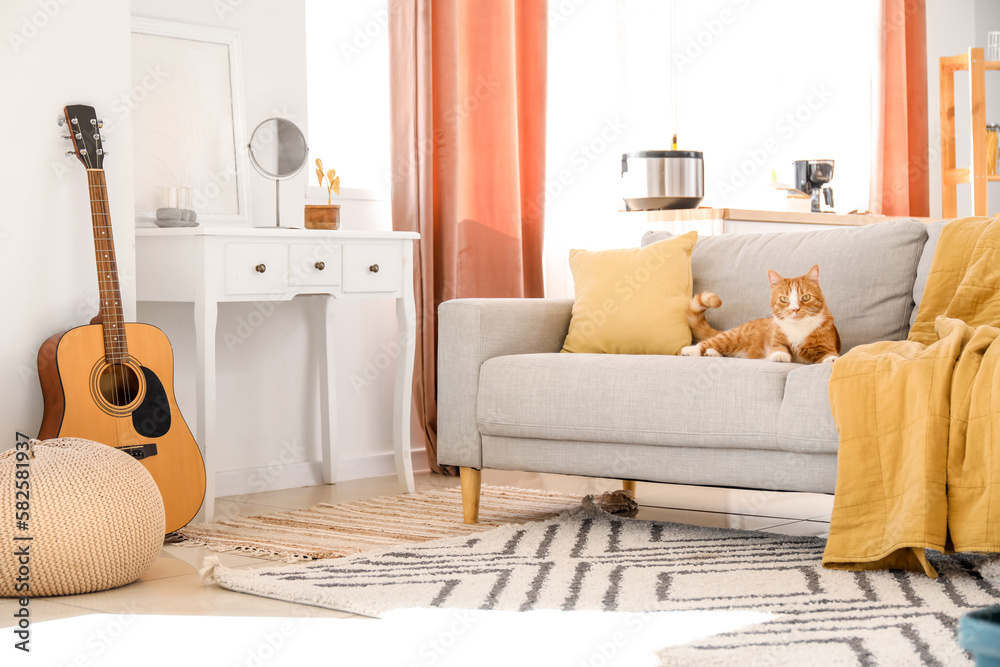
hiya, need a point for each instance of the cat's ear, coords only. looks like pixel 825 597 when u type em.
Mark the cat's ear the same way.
pixel 774 278
pixel 813 274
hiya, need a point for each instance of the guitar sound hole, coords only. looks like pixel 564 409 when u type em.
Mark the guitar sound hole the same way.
pixel 119 385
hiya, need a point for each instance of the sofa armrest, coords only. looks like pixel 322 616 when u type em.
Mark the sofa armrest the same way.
pixel 470 331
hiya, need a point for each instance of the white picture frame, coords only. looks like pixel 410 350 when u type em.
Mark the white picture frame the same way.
pixel 189 120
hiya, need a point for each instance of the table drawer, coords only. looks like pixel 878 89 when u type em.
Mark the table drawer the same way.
pixel 314 264
pixel 256 268
pixel 373 268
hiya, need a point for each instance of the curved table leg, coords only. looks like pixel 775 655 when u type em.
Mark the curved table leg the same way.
pixel 406 316
pixel 327 389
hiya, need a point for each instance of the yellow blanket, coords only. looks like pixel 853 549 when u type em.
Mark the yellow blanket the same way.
pixel 919 420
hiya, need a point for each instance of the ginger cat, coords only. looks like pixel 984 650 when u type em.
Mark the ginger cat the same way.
pixel 800 330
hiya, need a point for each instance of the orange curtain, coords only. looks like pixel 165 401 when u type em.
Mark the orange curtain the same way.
pixel 468 82
pixel 900 179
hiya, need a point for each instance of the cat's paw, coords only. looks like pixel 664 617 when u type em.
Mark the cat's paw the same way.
pixel 691 351
pixel 712 352
pixel 829 359
pixel 780 356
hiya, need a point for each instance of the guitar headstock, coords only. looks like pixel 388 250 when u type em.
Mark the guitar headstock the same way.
pixel 85 132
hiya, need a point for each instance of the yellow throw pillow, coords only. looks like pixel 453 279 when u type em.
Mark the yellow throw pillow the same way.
pixel 632 300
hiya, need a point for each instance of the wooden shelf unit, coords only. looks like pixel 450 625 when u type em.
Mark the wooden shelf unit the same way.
pixel 975 62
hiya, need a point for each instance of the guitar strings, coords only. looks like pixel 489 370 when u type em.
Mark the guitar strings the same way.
pixel 115 344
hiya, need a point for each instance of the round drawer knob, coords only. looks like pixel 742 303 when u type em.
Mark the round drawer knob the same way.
pixel 320 266
pixel 260 268
pixel 373 268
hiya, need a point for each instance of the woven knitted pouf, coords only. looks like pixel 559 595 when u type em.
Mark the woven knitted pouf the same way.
pixel 94 515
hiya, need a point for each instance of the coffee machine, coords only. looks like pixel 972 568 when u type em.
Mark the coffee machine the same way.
pixel 813 177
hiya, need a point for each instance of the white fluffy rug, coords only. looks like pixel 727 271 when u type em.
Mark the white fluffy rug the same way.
pixel 588 560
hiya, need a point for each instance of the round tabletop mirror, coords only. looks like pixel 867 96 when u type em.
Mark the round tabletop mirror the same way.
pixel 278 150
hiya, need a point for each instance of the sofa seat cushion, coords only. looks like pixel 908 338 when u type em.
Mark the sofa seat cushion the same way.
pixel 805 423
pixel 654 400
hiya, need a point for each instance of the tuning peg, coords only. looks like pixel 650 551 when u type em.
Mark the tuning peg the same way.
pixel 79 135
pixel 100 123
pixel 60 121
pixel 97 137
pixel 100 151
pixel 75 121
pixel 83 151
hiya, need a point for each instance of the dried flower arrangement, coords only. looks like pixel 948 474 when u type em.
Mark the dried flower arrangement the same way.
pixel 333 181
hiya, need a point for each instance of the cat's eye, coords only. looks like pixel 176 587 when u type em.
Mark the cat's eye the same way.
pixel 805 297
pixel 783 299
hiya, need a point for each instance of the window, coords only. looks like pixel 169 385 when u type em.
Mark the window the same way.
pixel 347 46
pixel 758 85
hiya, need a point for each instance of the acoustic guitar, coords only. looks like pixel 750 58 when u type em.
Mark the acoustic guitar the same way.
pixel 112 381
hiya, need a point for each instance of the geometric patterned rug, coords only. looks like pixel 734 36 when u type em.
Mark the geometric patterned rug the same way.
pixel 589 560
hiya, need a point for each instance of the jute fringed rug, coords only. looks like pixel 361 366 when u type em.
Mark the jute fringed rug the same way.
pixel 331 531
pixel 588 560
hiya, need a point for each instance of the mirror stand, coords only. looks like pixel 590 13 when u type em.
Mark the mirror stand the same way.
pixel 277 205
pixel 278 150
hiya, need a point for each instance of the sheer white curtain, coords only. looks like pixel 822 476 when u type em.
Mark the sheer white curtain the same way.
pixel 759 84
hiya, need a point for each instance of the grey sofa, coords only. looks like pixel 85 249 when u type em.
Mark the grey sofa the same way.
pixel 508 399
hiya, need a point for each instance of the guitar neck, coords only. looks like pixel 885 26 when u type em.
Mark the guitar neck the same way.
pixel 115 345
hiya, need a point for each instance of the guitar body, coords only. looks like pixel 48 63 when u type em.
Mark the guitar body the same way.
pixel 129 405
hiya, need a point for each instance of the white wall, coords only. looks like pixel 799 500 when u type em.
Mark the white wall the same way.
pixel 50 59
pixel 268 384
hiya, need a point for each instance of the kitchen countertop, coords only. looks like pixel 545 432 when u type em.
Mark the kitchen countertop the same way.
pixel 695 214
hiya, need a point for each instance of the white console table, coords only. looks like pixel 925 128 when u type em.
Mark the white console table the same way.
pixel 207 266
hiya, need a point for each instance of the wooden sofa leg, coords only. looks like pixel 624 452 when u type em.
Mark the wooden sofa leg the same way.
pixel 471 482
pixel 629 485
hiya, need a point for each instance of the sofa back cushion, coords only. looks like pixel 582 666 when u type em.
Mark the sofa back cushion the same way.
pixel 866 273
pixel 924 265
